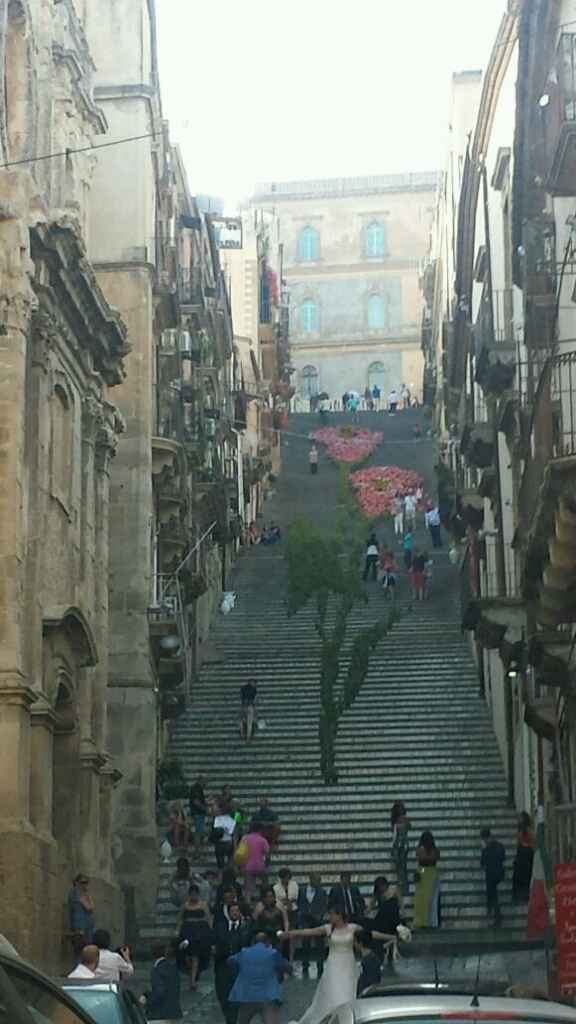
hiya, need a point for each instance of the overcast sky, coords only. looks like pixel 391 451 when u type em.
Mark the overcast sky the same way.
pixel 258 90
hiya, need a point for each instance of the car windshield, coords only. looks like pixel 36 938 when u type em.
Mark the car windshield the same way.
pixel 43 1002
pixel 103 1006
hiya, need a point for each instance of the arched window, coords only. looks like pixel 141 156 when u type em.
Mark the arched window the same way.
pixel 376 375
pixel 375 240
pixel 309 244
pixel 377 313
pixel 308 317
pixel 310 384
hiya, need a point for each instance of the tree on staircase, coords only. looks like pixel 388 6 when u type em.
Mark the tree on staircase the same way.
pixel 324 566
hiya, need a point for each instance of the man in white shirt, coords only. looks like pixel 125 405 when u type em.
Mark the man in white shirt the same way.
pixel 410 511
pixel 398 513
pixel 111 966
pixel 432 518
pixel 89 958
pixel 393 402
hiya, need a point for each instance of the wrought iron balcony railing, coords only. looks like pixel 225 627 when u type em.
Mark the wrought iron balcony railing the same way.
pixel 553 428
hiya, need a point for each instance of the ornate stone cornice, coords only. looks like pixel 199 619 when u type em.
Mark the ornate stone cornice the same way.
pixel 42 713
pixel 92 327
pixel 14 695
pixel 68 59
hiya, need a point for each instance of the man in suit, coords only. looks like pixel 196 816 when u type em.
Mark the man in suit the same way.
pixel 312 911
pixel 257 986
pixel 231 934
pixel 347 898
pixel 371 968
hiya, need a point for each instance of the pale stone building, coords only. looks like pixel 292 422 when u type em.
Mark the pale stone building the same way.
pixel 62 350
pixel 254 276
pixel 353 249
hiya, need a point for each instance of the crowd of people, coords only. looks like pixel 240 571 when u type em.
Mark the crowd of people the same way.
pixel 268 533
pixel 380 564
pixel 256 930
pixel 371 400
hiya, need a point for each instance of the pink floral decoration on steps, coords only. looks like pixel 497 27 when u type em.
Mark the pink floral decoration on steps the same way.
pixel 347 444
pixel 377 486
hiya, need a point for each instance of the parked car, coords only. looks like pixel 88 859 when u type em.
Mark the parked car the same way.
pixel 29 997
pixel 428 1005
pixel 107 1002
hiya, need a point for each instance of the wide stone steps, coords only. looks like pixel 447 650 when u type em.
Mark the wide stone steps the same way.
pixel 418 731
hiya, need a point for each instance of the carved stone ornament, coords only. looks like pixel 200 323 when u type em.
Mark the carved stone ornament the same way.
pixel 44 335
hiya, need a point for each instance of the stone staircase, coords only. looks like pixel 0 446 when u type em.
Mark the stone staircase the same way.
pixel 418 731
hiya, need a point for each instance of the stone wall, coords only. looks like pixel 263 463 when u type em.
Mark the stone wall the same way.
pixel 61 352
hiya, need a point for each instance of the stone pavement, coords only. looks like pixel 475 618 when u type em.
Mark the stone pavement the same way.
pixel 527 968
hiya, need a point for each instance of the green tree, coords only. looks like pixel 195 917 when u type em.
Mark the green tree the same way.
pixel 323 566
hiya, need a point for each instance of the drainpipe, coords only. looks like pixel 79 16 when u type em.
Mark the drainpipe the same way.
pixel 510 741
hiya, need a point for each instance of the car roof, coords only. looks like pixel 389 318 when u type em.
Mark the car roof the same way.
pixel 429 1005
pixel 15 964
pixel 102 984
pixel 453 987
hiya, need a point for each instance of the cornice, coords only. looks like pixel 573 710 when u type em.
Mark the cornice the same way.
pixel 68 59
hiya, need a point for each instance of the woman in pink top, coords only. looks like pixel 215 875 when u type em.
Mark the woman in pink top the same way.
pixel 255 864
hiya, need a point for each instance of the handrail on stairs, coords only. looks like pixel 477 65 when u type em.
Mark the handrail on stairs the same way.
pixel 170 587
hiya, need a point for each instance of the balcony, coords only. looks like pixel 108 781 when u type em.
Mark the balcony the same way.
pixel 170 643
pixel 547 511
pixel 165 454
pixel 172 534
pixel 560 121
pixel 190 291
pixel 563 833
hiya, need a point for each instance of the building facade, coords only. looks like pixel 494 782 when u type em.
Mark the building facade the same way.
pixel 62 358
pixel 353 249
pixel 506 404
pixel 259 303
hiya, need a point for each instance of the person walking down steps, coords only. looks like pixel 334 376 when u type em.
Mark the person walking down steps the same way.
pixel 313 460
pixel 372 558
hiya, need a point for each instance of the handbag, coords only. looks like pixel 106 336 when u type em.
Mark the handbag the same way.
pixel 216 835
pixel 417 876
pixel 241 853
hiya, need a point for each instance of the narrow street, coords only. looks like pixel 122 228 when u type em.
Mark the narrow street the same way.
pixel 418 730
pixel 224 227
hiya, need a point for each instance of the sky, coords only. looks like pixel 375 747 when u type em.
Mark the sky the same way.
pixel 257 90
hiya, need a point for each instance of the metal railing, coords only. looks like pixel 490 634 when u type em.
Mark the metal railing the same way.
pixel 503 306
pixel 553 428
pixel 562 819
pixel 493 585
pixel 566 72
pixel 190 291
pixel 169 602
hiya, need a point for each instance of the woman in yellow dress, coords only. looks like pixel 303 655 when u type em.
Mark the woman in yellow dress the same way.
pixel 427 891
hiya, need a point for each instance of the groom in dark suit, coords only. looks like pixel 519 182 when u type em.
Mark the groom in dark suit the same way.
pixel 312 911
pixel 347 898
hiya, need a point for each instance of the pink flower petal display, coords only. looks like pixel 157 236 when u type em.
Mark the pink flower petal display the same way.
pixel 347 444
pixel 377 486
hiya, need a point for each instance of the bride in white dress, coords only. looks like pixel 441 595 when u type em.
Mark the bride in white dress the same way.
pixel 338 982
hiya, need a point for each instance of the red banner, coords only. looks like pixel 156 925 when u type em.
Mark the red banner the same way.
pixel 565 900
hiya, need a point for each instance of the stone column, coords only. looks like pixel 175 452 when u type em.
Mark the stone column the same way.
pixel 15 703
pixel 109 778
pixel 16 301
pixel 91 764
pixel 43 718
